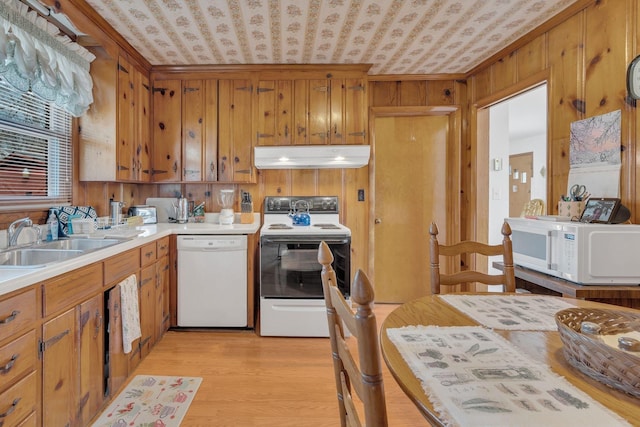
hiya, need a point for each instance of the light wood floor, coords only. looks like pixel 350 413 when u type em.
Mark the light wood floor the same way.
pixel 263 381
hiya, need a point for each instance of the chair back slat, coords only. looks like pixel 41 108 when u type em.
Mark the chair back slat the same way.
pixel 461 279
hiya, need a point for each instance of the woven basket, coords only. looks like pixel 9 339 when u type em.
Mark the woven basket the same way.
pixel 614 367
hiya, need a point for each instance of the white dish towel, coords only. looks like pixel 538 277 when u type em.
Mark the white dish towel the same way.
pixel 130 312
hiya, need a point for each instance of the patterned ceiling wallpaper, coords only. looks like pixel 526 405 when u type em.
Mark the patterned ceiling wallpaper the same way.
pixel 396 36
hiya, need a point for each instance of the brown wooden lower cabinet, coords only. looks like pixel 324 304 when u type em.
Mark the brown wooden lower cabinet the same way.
pixel 61 352
pixel 59 371
pixel 92 330
pixel 19 401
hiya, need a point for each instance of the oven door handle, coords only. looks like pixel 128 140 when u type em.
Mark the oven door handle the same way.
pixel 302 239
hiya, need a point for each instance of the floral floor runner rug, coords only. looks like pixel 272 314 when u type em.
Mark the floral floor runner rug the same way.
pixel 151 401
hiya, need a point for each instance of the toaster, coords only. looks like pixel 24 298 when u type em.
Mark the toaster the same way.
pixel 149 214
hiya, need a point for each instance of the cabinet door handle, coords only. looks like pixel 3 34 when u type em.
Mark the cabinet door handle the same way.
pixel 212 166
pixel 51 341
pixel 11 409
pixel 7 367
pixel 286 131
pixel 175 167
pixel 10 318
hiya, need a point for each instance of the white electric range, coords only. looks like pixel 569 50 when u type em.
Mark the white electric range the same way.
pixel 291 296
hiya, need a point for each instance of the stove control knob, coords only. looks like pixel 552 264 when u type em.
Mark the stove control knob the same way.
pixel 278 203
pixel 325 204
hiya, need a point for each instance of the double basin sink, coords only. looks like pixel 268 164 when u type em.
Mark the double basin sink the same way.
pixel 40 255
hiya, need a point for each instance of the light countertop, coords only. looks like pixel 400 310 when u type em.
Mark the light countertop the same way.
pixel 12 279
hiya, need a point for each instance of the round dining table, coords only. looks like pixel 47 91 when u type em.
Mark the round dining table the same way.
pixel 542 346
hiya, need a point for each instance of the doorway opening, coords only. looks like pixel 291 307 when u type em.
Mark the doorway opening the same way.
pixel 518 156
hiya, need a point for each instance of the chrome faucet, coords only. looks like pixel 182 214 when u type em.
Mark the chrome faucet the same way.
pixel 16 227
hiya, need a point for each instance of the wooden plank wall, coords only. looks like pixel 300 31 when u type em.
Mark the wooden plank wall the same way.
pixel 585 58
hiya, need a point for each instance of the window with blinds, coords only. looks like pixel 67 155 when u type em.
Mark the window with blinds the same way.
pixel 35 150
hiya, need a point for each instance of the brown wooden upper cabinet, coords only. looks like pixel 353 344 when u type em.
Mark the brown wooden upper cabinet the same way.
pixel 311 111
pixel 235 131
pixel 114 133
pixel 202 131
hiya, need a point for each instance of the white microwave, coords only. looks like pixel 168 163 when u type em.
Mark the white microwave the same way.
pixel 588 254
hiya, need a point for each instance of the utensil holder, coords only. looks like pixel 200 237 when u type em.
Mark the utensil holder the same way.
pixel 246 213
pixel 571 209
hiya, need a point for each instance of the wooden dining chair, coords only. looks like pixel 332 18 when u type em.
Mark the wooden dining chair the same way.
pixel 365 376
pixel 459 280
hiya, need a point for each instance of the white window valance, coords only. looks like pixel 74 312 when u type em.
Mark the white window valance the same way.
pixel 34 56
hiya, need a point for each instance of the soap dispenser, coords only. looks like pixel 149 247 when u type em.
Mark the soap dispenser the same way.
pixel 52 226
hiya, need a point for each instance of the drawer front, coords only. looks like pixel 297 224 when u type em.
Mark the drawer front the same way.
pixel 162 247
pixel 71 288
pixel 31 421
pixel 17 358
pixel 17 313
pixel 148 254
pixel 121 266
pixel 18 401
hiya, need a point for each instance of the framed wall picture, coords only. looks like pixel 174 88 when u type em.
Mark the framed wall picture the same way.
pixel 600 211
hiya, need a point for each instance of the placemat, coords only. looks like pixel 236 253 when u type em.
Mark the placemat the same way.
pixel 151 400
pixel 510 312
pixel 474 377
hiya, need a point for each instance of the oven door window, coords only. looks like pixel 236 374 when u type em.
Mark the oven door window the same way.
pixel 290 269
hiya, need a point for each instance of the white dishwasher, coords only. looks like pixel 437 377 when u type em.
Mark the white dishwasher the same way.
pixel 212 281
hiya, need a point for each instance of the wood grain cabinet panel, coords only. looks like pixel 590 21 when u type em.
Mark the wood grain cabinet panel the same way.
pixel 167 131
pixel 59 370
pixel 185 130
pixel 91 347
pixel 17 358
pixel 162 247
pixel 192 129
pixel 71 288
pixel 148 254
pixel 210 136
pixel 19 401
pixel 17 313
pixel 275 102
pixel 142 142
pixel 30 421
pixel 126 124
pixel 355 112
pixel 118 360
pixel 119 267
pixel 114 133
pixel 235 131
pixel 148 309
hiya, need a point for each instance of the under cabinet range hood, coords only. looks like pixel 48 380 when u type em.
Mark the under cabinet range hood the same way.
pixel 312 156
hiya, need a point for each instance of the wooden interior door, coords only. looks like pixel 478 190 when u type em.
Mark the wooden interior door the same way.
pixel 411 191
pixel 519 182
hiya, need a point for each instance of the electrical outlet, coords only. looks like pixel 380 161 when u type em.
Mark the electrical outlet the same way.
pixel 361 195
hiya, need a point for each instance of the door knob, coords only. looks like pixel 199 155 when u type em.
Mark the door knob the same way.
pixel 378 221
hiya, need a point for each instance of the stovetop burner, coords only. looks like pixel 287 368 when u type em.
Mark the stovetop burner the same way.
pixel 327 226
pixel 280 227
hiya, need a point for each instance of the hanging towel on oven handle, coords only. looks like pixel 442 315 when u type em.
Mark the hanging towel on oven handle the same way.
pixel 130 312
